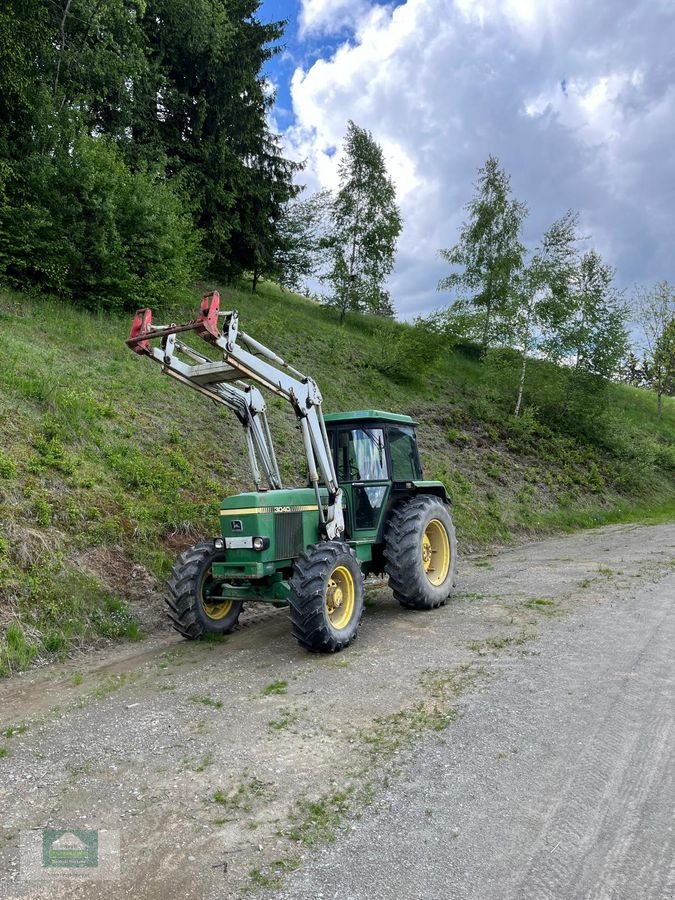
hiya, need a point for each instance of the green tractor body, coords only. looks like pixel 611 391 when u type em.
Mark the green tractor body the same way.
pixel 366 510
pixel 263 532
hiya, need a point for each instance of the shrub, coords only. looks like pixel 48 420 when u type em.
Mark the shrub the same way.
pixel 81 225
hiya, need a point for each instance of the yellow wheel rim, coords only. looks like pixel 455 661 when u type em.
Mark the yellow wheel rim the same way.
pixel 340 597
pixel 215 608
pixel 436 552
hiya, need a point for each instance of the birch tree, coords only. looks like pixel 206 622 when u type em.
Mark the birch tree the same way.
pixel 654 311
pixel 489 255
pixel 365 225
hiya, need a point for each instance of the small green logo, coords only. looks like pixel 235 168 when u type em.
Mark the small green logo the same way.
pixel 64 848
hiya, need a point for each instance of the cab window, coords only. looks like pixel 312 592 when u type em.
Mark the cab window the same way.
pixel 404 459
pixel 360 455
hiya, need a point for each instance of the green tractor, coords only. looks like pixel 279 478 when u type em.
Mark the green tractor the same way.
pixel 367 509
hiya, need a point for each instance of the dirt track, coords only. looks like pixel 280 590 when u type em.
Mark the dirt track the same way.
pixel 144 738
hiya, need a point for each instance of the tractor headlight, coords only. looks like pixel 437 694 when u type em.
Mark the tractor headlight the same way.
pixel 219 544
pixel 258 543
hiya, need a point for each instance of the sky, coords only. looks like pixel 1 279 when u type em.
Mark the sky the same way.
pixel 576 98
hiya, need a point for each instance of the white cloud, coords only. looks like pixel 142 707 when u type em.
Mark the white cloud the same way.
pixel 577 101
pixel 329 16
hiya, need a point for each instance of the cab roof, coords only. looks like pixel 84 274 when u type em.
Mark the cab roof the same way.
pixel 369 415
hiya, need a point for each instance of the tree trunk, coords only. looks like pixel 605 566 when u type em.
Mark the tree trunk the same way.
pixel 516 412
pixel 254 283
pixel 62 46
pixel 486 326
pixel 659 402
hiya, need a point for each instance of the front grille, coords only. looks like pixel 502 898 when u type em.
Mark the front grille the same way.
pixel 287 534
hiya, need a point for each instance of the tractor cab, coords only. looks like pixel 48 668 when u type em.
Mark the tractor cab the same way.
pixel 376 457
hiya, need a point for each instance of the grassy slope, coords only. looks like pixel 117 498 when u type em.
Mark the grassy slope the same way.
pixel 108 470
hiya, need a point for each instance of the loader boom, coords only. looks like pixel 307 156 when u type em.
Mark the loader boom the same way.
pixel 231 382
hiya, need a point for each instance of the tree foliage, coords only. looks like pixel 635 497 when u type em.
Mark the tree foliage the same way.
pixel 365 223
pixel 168 95
pixel 489 255
pixel 654 312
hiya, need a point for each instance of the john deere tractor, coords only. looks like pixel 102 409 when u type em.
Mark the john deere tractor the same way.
pixel 367 509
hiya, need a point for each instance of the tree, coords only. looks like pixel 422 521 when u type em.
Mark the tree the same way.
pixel 173 90
pixel 364 229
pixel 489 253
pixel 543 290
pixel 205 104
pixel 301 235
pixel 587 325
pixel 654 311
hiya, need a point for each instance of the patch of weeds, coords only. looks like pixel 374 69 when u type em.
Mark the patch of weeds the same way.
pixel 279 724
pixel 484 564
pixel 7 466
pixel 275 687
pixel 317 821
pixel 13 730
pixel 205 700
pixel 110 684
pixel 340 662
pixel 244 797
pixel 3 752
pixel 543 605
pixel 77 679
pixel 606 571
pixel 16 652
pixel 585 582
pixel 168 687
pixel 210 637
pixel 500 641
pixel 272 876
pixel 196 765
pixel 442 687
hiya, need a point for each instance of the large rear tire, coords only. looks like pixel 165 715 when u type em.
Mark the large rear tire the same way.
pixel 421 552
pixel 326 597
pixel 195 607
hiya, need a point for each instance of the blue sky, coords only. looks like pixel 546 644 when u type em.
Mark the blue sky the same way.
pixel 575 97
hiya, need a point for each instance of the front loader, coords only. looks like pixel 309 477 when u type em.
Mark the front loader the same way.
pixel 367 509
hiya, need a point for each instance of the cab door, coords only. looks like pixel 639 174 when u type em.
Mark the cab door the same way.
pixel 363 474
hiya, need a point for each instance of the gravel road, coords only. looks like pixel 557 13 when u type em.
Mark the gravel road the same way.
pixel 516 743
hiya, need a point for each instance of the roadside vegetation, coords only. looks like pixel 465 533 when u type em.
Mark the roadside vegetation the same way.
pixel 108 470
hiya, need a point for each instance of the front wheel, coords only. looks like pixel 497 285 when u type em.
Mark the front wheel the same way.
pixel 326 598
pixel 194 596
pixel 421 552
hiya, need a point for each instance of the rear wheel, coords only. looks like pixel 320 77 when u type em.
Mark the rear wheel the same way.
pixel 421 553
pixel 326 597
pixel 194 596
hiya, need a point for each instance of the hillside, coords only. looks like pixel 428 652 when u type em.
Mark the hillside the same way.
pixel 108 470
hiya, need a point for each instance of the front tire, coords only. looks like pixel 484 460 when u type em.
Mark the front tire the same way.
pixel 421 553
pixel 195 607
pixel 326 598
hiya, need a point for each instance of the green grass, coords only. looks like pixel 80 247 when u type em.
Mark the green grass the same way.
pixel 13 730
pixel 205 700
pixel 106 465
pixel 275 687
pixel 243 798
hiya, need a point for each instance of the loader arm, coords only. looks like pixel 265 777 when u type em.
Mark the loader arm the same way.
pixel 230 381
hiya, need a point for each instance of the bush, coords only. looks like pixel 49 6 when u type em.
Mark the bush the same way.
pixel 405 352
pixel 81 225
